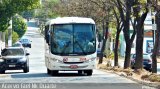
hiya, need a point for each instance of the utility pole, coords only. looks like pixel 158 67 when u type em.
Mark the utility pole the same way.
pixel 10 34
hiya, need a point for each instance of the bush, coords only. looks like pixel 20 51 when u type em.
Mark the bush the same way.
pixel 19 25
pixel 154 78
pixel 15 37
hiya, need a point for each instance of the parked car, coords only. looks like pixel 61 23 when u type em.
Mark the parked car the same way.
pixel 17 44
pixel 25 42
pixel 14 58
pixel 147 61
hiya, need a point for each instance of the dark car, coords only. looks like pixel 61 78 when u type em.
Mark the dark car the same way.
pixel 147 61
pixel 14 58
pixel 25 42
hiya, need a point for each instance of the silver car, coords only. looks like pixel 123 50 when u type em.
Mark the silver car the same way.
pixel 147 61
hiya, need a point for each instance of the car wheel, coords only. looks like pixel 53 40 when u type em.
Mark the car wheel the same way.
pixel 48 71
pixel 54 72
pixel 30 46
pixel 26 69
pixel 88 72
pixel 2 71
pixel 150 70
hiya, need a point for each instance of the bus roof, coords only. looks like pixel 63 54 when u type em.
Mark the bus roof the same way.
pixel 66 20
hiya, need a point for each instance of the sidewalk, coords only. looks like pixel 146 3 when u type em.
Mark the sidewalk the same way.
pixel 121 61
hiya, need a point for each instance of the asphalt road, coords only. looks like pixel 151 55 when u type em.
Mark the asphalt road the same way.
pixel 65 80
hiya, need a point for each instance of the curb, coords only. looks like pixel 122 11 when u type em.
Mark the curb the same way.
pixel 154 85
pixel 4 76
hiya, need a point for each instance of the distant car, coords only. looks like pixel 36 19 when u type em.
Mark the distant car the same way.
pixel 25 42
pixel 147 61
pixel 17 44
pixel 14 58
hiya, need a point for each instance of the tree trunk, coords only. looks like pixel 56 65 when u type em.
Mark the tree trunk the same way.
pixel 127 56
pixel 104 44
pixel 116 48
pixel 127 34
pixel 155 50
pixel 140 36
pixel 3 40
pixel 139 49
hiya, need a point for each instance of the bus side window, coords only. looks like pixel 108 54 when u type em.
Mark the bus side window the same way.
pixel 47 34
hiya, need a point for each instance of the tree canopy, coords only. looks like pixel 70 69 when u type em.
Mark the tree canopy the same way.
pixel 9 8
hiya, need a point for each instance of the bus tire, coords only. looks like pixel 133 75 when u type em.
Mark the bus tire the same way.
pixel 88 72
pixel 80 71
pixel 2 71
pixel 48 71
pixel 54 72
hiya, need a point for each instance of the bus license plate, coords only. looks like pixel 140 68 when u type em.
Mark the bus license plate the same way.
pixel 12 65
pixel 73 66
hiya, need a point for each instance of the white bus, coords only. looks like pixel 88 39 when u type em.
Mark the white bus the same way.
pixel 70 45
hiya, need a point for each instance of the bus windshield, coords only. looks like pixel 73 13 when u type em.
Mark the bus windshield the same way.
pixel 73 39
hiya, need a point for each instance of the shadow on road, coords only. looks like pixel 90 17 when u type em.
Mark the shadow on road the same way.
pixel 29 75
pixel 68 75
pixel 39 75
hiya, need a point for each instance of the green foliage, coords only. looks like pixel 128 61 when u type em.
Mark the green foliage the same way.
pixel 19 25
pixel 28 14
pixel 48 9
pixel 9 8
pixel 15 36
pixel 113 29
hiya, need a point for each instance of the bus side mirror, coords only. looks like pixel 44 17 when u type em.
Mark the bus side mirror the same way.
pixel 27 54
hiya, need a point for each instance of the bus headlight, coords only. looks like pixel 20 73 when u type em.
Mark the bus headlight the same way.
pixel 57 60
pixel 1 60
pixel 91 59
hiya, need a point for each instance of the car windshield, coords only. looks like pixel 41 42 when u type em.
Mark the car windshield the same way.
pixel 73 39
pixel 12 52
pixel 145 56
pixel 24 40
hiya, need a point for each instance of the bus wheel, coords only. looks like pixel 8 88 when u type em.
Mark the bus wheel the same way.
pixel 54 72
pixel 48 71
pixel 2 71
pixel 88 72
pixel 80 71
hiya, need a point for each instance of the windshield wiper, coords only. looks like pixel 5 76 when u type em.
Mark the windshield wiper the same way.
pixel 81 47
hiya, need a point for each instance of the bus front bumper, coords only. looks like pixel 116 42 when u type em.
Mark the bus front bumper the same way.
pixel 77 66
